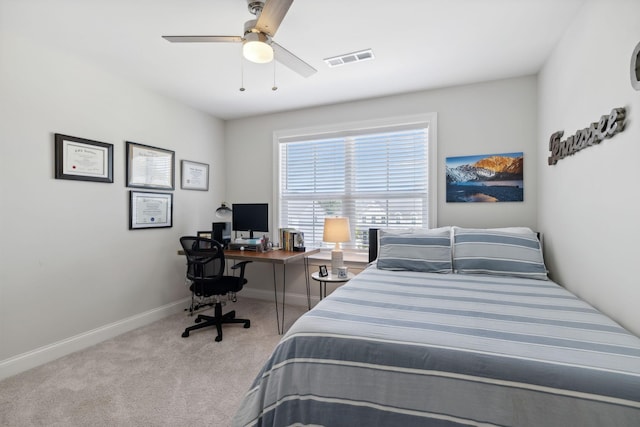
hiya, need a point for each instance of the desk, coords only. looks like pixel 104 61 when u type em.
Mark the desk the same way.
pixel 277 257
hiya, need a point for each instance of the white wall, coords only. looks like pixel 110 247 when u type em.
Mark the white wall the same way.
pixel 493 117
pixel 589 206
pixel 71 271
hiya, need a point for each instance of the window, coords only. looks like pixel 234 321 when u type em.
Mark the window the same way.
pixel 378 176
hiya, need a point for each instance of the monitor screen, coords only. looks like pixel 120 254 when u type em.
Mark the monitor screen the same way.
pixel 250 217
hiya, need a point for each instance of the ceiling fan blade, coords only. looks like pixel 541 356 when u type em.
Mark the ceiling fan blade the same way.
pixel 289 60
pixel 272 15
pixel 203 39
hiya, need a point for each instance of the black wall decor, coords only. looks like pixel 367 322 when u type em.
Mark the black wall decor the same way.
pixel 635 68
pixel 594 134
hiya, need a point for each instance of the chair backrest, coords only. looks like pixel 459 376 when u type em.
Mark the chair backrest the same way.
pixel 205 257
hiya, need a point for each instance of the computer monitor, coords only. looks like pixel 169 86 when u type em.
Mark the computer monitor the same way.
pixel 250 217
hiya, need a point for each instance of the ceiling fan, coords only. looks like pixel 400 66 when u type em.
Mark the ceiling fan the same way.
pixel 257 41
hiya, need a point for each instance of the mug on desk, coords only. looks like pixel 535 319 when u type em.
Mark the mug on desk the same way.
pixel 342 272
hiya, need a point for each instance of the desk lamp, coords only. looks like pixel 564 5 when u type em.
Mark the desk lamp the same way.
pixel 223 212
pixel 336 230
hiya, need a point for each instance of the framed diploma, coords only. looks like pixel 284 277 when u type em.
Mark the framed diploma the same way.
pixel 82 159
pixel 195 176
pixel 150 167
pixel 150 210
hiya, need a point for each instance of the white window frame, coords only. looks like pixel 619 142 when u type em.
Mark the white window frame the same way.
pixel 428 120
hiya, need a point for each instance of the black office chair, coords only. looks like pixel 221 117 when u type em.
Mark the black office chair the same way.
pixel 205 270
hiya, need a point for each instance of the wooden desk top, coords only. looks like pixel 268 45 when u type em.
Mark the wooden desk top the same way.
pixel 275 256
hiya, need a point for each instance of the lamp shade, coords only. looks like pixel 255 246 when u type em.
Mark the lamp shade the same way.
pixel 223 212
pixel 336 230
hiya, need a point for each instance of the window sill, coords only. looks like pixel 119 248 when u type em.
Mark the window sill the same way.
pixel 350 258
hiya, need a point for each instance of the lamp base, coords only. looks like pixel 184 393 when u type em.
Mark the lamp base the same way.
pixel 336 261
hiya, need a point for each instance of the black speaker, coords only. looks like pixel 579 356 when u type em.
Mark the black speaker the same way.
pixel 222 232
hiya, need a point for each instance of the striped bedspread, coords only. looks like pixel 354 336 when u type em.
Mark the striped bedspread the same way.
pixel 424 349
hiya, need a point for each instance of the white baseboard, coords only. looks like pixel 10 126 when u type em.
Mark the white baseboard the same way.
pixel 48 353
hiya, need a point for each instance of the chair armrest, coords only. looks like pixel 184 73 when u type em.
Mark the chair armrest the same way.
pixel 241 265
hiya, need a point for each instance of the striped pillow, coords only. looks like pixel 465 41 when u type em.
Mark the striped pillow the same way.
pixel 426 252
pixel 502 253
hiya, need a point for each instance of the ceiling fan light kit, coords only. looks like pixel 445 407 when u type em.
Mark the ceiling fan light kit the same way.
pixel 255 48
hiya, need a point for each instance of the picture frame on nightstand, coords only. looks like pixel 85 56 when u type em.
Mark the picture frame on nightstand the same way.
pixel 323 271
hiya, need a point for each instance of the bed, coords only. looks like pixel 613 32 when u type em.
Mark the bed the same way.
pixel 450 327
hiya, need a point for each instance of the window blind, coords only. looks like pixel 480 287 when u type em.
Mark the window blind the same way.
pixel 376 178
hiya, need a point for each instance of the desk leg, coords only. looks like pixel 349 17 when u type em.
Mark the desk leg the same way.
pixel 275 296
pixel 284 288
pixel 307 282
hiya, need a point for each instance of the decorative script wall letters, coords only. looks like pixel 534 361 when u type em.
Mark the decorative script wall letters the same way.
pixel 594 134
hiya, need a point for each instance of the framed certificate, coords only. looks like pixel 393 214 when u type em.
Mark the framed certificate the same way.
pixel 150 167
pixel 82 159
pixel 195 176
pixel 150 210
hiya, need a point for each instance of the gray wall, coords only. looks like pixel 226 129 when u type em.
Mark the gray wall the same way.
pixel 71 272
pixel 589 206
pixel 493 117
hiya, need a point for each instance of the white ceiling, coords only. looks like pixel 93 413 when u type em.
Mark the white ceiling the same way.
pixel 418 44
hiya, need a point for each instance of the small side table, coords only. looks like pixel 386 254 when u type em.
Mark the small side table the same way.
pixel 331 278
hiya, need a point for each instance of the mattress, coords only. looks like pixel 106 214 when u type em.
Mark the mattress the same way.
pixel 403 348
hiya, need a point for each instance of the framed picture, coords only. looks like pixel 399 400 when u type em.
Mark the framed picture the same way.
pixel 205 235
pixel 485 178
pixel 150 210
pixel 323 271
pixel 82 159
pixel 195 176
pixel 150 167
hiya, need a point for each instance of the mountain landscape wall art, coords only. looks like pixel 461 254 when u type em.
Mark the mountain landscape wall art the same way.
pixel 485 178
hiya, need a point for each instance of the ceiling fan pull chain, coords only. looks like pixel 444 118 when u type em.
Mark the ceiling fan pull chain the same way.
pixel 241 74
pixel 274 88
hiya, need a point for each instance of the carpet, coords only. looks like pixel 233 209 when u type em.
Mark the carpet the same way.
pixel 150 376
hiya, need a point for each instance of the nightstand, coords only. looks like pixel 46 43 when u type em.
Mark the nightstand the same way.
pixel 331 278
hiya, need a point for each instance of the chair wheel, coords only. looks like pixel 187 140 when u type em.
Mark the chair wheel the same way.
pixel 185 334
pixel 247 324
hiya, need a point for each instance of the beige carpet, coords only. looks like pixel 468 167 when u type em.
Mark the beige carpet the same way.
pixel 150 376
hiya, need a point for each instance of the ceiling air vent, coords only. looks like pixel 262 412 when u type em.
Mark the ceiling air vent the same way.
pixel 349 58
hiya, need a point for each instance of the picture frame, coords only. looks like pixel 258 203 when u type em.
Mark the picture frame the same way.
pixel 194 175
pixel 83 159
pixel 150 210
pixel 205 235
pixel 150 167
pixel 495 177
pixel 323 271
